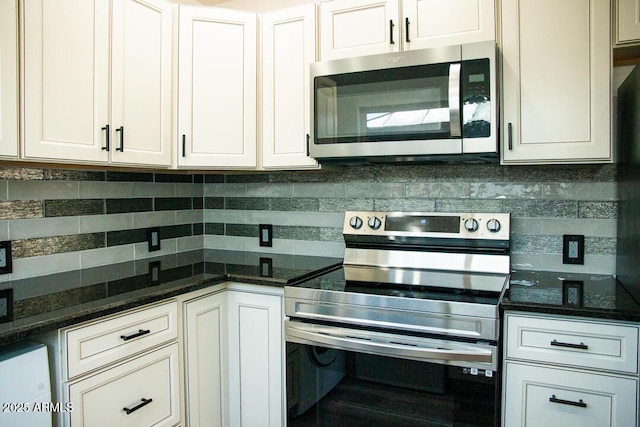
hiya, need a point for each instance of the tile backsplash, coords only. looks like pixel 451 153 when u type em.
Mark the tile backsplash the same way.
pixel 60 220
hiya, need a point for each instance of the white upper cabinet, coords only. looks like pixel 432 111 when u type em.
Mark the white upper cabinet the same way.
pixel 628 21
pixel 351 28
pixel 556 81
pixel 216 88
pixel 94 93
pixel 8 78
pixel 288 49
pixel 433 23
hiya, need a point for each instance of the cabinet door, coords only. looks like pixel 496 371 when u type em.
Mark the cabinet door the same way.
pixel 141 82
pixel 205 361
pixel 255 359
pixel 351 28
pixel 216 88
pixel 141 392
pixel 433 23
pixel 66 79
pixel 537 396
pixel 556 81
pixel 628 21
pixel 288 48
pixel 8 78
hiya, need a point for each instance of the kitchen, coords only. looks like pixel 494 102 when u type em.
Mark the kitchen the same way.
pixel 62 220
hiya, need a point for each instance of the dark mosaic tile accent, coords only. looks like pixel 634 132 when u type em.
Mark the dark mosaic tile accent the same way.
pixel 214 202
pixel 246 203
pixel 22 174
pixel 174 177
pixel 75 207
pixel 295 204
pixel 29 307
pixel 175 231
pixel 243 230
pixel 199 268
pixel 533 244
pixel 126 237
pixel 214 178
pixel 198 179
pixel 172 203
pixel 115 206
pixel 470 172
pixel 73 243
pixel 21 209
pixel 214 228
pixel 296 233
pixel 405 205
pixel 25 248
pixel 599 245
pixel 542 208
pixel 398 173
pixel 64 299
pixel 93 292
pixel 561 173
pixel 327 234
pixel 130 176
pixel 73 175
pixel 197 202
pixel 198 229
pixel 469 205
pixel 341 205
pixel 598 210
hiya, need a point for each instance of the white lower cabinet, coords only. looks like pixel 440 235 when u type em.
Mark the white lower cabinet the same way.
pixel 567 371
pixel 255 359
pixel 141 392
pixel 205 326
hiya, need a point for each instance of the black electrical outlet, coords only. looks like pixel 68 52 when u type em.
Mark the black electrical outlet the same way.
pixel 266 235
pixel 572 249
pixel 155 267
pixel 6 263
pixel 266 267
pixel 153 238
pixel 6 305
pixel 572 291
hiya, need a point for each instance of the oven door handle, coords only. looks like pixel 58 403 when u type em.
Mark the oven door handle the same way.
pixel 385 344
pixel 454 100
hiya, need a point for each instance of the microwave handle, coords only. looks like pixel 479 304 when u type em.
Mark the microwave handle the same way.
pixel 454 100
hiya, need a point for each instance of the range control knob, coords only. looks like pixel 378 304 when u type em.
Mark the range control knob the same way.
pixel 374 222
pixel 493 225
pixel 471 225
pixel 355 222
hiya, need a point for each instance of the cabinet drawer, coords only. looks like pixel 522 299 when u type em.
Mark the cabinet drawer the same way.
pixel 536 396
pixel 597 345
pixel 106 341
pixel 141 392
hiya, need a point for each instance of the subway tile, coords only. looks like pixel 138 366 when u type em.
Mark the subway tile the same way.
pixel 95 223
pixel 232 243
pixel 198 178
pixel 104 256
pixel 126 237
pixel 30 228
pixel 214 202
pixel 64 299
pixel 174 177
pixel 249 203
pixel 321 249
pixel 405 205
pixel 154 189
pixel 330 234
pixel 4 190
pixel 114 206
pixel 319 190
pixel 45 265
pixel 469 205
pixel 588 227
pixel 295 204
pixel 175 231
pixel 213 178
pixel 73 175
pixel 225 190
pixel 270 217
pixel 214 228
pixel 601 191
pixel 600 245
pixel 198 229
pixel 223 216
pixel 269 190
pixel 21 174
pixel 167 247
pixel 190 243
pixel 246 178
pixel 21 209
pixel 469 172
pixel 4 230
pixel 560 173
pixel 491 190
pixel 193 190
pixel 104 190
pixel 40 190
pixel 536 244
pixel 153 219
pixel 242 230
pixel 26 248
pixel 604 210
pixel 375 190
pixel 342 205
pixel 29 307
pixel 74 207
pixel 197 202
pixel 129 176
pixel 524 262
pixel 542 208
pixel 593 264
pixel 432 190
pixel 73 243
pixel 319 219
pixel 189 216
pixel 172 203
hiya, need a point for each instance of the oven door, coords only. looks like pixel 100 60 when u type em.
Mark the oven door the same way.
pixel 344 376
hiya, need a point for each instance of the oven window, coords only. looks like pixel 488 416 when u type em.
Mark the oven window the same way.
pixel 407 103
pixel 329 387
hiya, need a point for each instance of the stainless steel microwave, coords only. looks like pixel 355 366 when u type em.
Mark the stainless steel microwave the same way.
pixel 422 105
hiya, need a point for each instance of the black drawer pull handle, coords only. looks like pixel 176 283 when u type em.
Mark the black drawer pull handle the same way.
pixel 406 30
pixel 107 147
pixel 140 333
pixel 510 136
pixel 391 32
pixel 144 402
pixel 581 346
pixel 121 130
pixel 579 403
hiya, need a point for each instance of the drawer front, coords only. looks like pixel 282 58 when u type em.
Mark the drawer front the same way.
pixel 596 345
pixel 95 345
pixel 536 396
pixel 141 392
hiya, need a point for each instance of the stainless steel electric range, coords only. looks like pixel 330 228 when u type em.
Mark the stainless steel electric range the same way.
pixel 407 330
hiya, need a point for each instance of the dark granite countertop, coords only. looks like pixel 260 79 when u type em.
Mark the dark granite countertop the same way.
pixel 587 295
pixel 45 303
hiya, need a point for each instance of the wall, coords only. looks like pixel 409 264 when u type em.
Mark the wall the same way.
pixel 60 220
pixel 306 208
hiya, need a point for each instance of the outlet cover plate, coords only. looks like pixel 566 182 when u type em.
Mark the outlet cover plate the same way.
pixel 6 305
pixel 266 235
pixel 573 249
pixel 6 262
pixel 153 238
